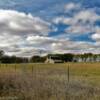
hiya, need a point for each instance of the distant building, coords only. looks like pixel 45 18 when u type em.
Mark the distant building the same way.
pixel 54 59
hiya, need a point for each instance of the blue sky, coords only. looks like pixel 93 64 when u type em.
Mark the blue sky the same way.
pixel 50 26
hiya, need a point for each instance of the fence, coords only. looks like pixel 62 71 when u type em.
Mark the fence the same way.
pixel 50 81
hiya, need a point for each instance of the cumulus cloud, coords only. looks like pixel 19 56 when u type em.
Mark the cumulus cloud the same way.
pixel 25 35
pixel 71 6
pixel 96 35
pixel 79 29
pixel 62 20
pixel 53 45
pixel 81 22
pixel 16 26
pixel 18 23
pixel 35 39
pixel 84 16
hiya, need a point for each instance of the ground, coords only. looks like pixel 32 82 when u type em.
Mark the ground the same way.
pixel 50 81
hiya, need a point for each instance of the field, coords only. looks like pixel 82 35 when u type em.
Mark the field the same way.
pixel 81 81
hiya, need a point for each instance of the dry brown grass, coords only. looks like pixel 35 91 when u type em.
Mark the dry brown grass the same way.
pixel 48 82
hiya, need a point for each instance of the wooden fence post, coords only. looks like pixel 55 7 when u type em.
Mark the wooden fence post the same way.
pixel 15 68
pixel 68 73
pixel 32 69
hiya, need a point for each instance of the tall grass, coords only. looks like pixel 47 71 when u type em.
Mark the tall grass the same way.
pixel 49 82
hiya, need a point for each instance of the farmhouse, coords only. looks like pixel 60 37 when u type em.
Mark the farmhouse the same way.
pixel 54 59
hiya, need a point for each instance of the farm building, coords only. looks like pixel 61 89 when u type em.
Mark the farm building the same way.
pixel 54 59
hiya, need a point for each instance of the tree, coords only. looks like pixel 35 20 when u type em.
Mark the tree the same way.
pixel 36 59
pixel 1 53
pixel 68 57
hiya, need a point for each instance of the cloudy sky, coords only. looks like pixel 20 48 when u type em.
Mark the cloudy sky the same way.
pixel 30 27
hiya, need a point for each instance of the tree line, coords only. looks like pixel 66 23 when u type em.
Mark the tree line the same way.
pixel 68 57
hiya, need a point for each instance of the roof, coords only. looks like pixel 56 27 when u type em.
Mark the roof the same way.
pixel 55 57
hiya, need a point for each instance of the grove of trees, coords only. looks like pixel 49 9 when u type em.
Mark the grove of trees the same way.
pixel 11 59
pixel 68 57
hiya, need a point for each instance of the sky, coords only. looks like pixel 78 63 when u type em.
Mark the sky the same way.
pixel 32 27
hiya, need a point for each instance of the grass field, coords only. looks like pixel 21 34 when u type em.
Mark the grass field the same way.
pixel 50 81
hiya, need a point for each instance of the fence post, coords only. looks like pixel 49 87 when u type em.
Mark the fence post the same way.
pixel 68 74
pixel 15 68
pixel 32 69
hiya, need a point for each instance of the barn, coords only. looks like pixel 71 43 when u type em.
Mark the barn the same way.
pixel 54 59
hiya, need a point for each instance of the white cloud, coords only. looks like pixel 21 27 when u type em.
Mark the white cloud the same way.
pixel 18 23
pixel 32 45
pixel 60 45
pixel 83 17
pixel 15 27
pixel 9 40
pixel 81 22
pixel 41 40
pixel 71 6
pixel 24 35
pixel 63 20
pixel 79 29
pixel 96 35
pixel 86 16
